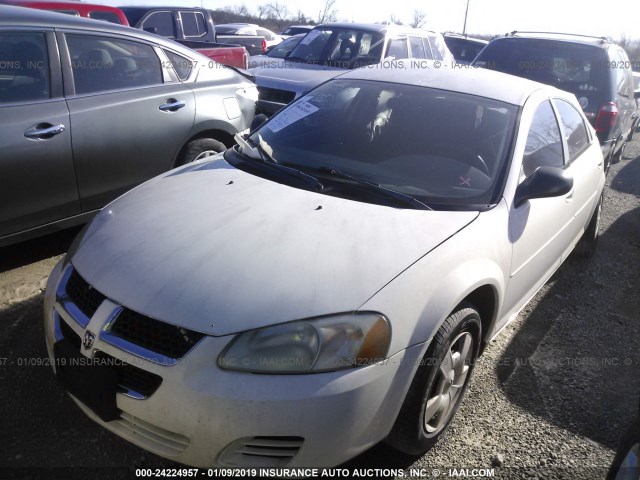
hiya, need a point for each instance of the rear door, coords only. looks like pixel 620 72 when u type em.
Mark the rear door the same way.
pixel 129 117
pixel 37 178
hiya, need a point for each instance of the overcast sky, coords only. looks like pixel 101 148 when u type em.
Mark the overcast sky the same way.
pixel 609 17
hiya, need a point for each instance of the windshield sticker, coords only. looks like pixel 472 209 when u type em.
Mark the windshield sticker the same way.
pixel 310 37
pixel 291 115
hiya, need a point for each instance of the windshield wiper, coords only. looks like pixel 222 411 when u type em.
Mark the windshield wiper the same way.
pixel 387 192
pixel 248 146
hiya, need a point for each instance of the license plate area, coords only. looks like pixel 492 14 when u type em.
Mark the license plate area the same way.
pixel 92 382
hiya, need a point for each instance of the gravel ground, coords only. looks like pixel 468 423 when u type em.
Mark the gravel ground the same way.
pixel 549 399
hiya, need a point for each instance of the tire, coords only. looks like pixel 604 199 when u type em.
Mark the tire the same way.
pixel 437 387
pixel 199 149
pixel 586 247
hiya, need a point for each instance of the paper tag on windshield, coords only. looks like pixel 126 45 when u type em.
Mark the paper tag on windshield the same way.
pixel 291 115
pixel 310 37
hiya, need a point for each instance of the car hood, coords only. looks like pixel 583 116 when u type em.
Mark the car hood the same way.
pixel 218 250
pixel 300 79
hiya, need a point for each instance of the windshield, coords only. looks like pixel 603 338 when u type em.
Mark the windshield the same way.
pixel 340 47
pixel 443 148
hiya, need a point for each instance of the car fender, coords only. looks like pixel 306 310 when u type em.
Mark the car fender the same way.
pixel 419 300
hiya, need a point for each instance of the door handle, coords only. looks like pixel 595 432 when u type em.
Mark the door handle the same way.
pixel 172 105
pixel 44 131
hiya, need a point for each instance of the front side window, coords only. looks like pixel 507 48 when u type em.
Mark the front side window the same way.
pixel 105 63
pixel 574 128
pixel 544 144
pixel 398 48
pixel 24 67
pixel 160 23
pixel 447 149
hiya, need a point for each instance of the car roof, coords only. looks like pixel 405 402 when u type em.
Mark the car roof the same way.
pixel 375 27
pixel 464 37
pixel 462 79
pixel 595 41
pixel 31 17
pixel 59 3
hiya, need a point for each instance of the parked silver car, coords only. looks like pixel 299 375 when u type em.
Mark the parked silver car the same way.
pixel 331 48
pixel 90 109
pixel 328 283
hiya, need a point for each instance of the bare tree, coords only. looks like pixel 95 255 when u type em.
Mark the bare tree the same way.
pixel 329 13
pixel 263 12
pixel 419 19
pixel 395 20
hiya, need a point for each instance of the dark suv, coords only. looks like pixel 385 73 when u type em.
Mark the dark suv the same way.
pixel 596 70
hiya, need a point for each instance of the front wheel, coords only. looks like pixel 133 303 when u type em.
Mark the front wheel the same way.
pixel 439 384
pixel 200 149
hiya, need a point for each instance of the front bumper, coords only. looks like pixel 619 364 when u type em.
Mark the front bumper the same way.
pixel 204 416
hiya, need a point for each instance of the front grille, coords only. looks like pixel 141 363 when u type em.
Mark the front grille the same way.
pixel 261 452
pixel 69 334
pixel 275 95
pixel 83 295
pixel 130 377
pixel 154 335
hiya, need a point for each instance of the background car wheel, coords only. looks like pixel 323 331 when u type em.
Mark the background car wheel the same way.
pixel 619 154
pixel 199 149
pixel 439 384
pixel 586 247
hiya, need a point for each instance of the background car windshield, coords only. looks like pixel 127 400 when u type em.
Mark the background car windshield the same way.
pixel 444 148
pixel 343 47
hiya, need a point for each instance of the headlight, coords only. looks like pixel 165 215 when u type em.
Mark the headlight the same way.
pixel 315 345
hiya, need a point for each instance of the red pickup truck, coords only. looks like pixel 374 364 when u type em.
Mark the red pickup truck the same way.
pixel 232 55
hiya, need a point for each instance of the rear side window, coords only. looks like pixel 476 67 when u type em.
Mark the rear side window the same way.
pixel 575 131
pixel 544 144
pixel 193 24
pixel 24 67
pixel 623 72
pixel 160 23
pixel 106 63
pixel 438 47
pixel 105 16
pixel 182 65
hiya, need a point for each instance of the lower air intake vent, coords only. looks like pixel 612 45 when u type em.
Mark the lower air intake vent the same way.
pixel 261 452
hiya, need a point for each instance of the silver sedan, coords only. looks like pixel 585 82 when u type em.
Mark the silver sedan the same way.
pixel 328 283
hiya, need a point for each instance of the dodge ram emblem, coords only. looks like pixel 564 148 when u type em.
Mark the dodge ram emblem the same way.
pixel 88 340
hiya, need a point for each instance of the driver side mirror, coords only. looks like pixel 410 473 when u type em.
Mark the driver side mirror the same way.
pixel 545 182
